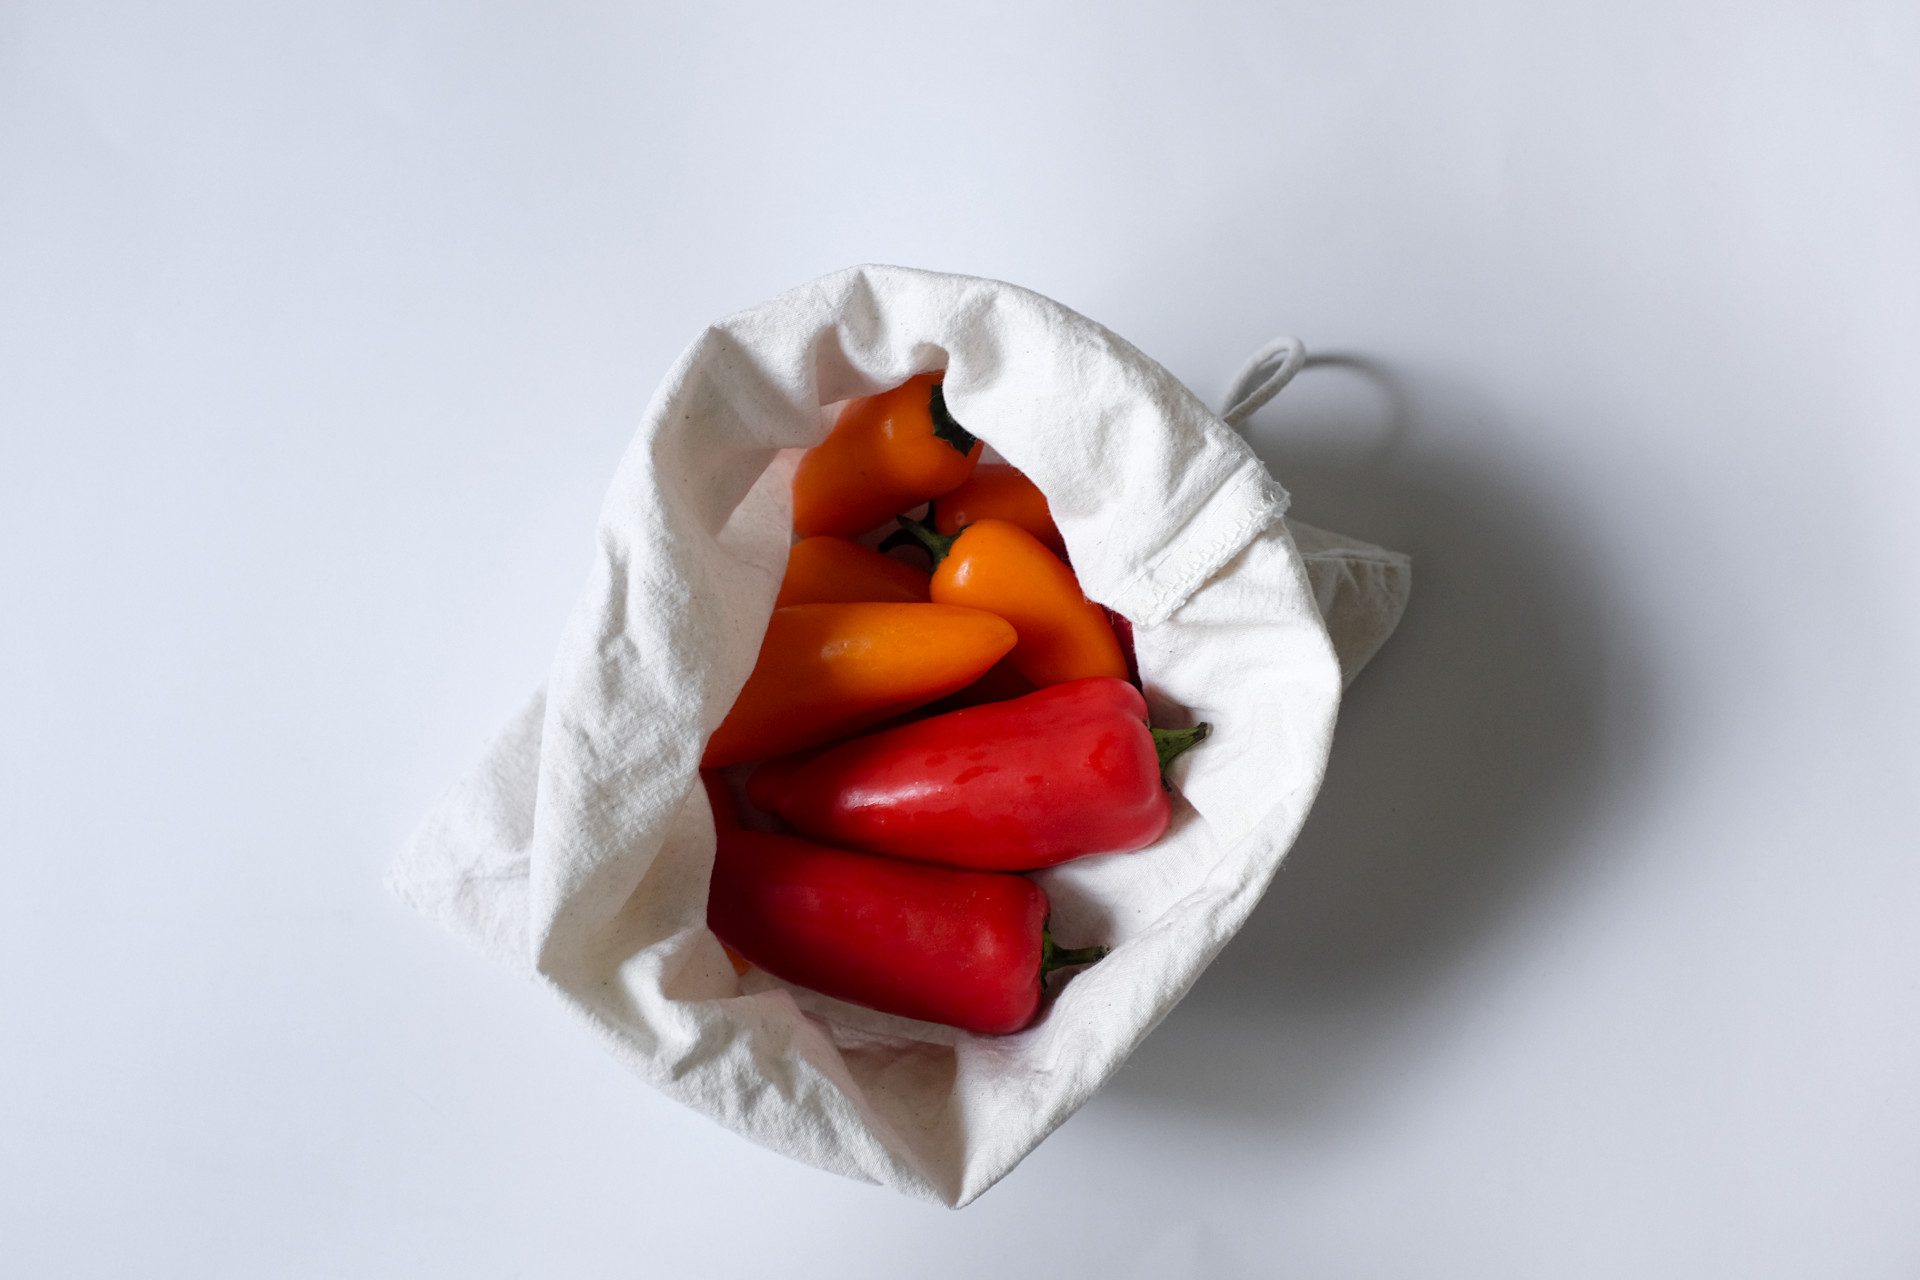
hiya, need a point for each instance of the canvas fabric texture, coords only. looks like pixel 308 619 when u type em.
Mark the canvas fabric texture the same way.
pixel 578 849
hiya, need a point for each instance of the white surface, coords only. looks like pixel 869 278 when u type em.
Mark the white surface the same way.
pixel 322 327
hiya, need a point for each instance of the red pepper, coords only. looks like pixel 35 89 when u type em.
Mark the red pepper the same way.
pixel 725 820
pixel 966 948
pixel 1071 770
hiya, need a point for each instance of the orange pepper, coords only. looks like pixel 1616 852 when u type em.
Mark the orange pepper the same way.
pixel 829 670
pixel 887 454
pixel 1000 567
pixel 828 570
pixel 997 491
pixel 739 962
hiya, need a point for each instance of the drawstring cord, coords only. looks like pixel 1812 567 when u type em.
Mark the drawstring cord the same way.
pixel 1260 380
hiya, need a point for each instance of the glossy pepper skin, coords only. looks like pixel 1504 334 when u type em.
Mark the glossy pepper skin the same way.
pixel 997 491
pixel 828 570
pixel 1013 786
pixel 829 670
pixel 1000 567
pixel 887 454
pixel 964 948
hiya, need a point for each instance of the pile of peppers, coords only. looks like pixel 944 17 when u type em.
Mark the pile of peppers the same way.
pixel 911 740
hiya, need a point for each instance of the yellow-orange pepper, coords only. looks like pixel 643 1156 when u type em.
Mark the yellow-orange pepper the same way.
pixel 1000 567
pixel 997 491
pixel 887 454
pixel 829 670
pixel 826 570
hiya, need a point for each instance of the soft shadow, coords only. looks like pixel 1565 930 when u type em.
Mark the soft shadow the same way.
pixel 1469 759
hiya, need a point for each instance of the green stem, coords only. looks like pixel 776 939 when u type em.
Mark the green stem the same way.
pixel 1054 956
pixel 1169 743
pixel 943 424
pixel 922 534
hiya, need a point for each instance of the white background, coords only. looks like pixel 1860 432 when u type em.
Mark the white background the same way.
pixel 323 325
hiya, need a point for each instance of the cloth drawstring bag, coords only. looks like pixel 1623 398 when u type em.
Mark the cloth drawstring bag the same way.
pixel 578 849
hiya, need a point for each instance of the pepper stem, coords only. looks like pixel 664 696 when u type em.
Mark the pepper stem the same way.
pixel 1169 743
pixel 922 534
pixel 943 424
pixel 1054 956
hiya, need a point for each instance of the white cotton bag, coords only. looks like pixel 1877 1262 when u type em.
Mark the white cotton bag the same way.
pixel 579 848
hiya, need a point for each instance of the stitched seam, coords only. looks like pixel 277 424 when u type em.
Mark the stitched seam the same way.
pixel 1197 566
